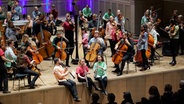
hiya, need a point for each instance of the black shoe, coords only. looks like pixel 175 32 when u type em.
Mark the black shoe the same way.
pixel 181 53
pixel 31 87
pixel 143 69
pixel 116 70
pixel 6 91
pixel 174 63
pixel 68 65
pixel 77 99
pixel 171 62
pixel 98 89
pixel 105 93
pixel 119 74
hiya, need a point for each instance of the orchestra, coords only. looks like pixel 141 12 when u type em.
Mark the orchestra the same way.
pixel 33 39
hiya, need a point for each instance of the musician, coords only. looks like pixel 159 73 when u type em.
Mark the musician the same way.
pixel 109 32
pixel 83 22
pixel 29 25
pixel 51 25
pixel 8 18
pixel 60 74
pixel 181 33
pixel 2 14
pixel 120 20
pixel 9 53
pixel 106 17
pixel 93 24
pixel 142 45
pixel 58 38
pixel 99 40
pixel 126 55
pixel 11 33
pixel 24 65
pixel 16 11
pixel 154 33
pixel 54 12
pixel 82 71
pixel 10 4
pixel 100 74
pixel 145 18
pixel 3 72
pixel 36 12
pixel 69 34
pixel 173 30
pixel 87 12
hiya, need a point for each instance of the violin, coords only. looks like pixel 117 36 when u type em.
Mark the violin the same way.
pixel 61 52
pixel 92 54
pixel 117 57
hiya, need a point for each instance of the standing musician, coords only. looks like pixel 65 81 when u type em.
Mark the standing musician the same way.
pixel 99 40
pixel 54 12
pixel 29 25
pixel 60 37
pixel 173 30
pixel 16 11
pixel 93 25
pixel 69 34
pixel 51 25
pixel 100 74
pixel 8 18
pixel 145 18
pixel 60 74
pixel 181 31
pixel 120 20
pixel 82 71
pixel 126 55
pixel 143 46
pixel 106 17
pixel 109 32
pixel 3 72
pixel 36 12
pixel 24 64
pixel 154 33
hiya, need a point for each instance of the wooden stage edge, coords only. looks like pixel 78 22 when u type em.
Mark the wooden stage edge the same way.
pixel 138 84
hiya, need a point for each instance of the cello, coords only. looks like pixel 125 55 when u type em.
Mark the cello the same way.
pixel 117 57
pixel 44 39
pixel 61 52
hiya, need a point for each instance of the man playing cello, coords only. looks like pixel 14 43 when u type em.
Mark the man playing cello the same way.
pixel 127 54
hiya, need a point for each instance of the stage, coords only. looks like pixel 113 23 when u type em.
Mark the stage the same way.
pixel 48 92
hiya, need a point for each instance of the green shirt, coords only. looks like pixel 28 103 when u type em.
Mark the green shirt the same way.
pixel 87 12
pixel 2 16
pixel 100 69
pixel 107 16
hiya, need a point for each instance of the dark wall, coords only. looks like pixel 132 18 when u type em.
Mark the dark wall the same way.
pixel 140 8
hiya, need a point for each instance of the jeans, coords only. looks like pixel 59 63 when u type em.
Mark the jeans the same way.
pixel 102 83
pixel 71 85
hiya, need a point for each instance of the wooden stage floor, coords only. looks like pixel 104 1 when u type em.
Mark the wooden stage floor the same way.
pixel 47 79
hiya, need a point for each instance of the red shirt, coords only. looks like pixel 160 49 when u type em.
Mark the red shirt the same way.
pixel 80 70
pixel 1 52
pixel 67 26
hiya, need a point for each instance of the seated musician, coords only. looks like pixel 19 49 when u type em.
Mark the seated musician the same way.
pixel 126 55
pixel 11 33
pixel 36 12
pixel 29 25
pixel 59 37
pixel 54 12
pixel 60 74
pixel 16 11
pixel 100 74
pixel 51 25
pixel 92 24
pixel 99 40
pixel 82 71
pixel 24 64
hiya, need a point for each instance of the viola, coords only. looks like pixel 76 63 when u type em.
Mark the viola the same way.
pixel 61 52
pixel 92 54
pixel 117 57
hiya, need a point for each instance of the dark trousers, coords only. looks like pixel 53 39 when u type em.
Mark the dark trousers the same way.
pixel 30 73
pixel 71 85
pixel 3 78
pixel 174 48
pixel 112 45
pixel 125 58
pixel 102 83
pixel 90 83
pixel 152 54
pixel 144 58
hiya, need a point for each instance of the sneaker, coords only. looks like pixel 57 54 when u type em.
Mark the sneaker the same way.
pixel 77 99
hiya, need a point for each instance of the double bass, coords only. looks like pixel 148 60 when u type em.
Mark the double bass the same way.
pixel 117 57
pixel 61 52
pixel 44 39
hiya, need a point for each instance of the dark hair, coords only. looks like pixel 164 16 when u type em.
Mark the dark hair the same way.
pixel 56 60
pixel 95 97
pixel 153 90
pixel 127 96
pixel 111 97
pixel 168 87
pixel 10 42
pixel 101 57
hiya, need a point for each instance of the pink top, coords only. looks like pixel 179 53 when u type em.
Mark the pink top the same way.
pixel 110 30
pixel 80 70
pixel 1 52
pixel 85 39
